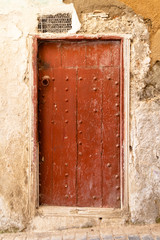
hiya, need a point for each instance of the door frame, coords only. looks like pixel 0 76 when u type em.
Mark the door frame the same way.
pixel 33 196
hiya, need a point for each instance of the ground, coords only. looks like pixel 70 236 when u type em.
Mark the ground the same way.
pixel 108 232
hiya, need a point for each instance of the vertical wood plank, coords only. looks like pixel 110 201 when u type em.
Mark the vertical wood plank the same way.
pixel 89 137
pixel 111 138
pixel 45 139
pixel 64 137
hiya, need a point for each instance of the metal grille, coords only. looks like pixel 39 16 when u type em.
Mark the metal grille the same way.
pixel 61 22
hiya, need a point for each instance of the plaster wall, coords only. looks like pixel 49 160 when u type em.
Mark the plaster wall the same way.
pixel 18 21
pixel 149 10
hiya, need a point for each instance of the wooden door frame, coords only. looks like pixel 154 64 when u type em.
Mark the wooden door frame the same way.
pixel 33 198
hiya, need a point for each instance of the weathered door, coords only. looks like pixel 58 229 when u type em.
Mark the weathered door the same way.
pixel 79 123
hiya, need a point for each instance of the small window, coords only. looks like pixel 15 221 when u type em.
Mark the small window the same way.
pixel 61 22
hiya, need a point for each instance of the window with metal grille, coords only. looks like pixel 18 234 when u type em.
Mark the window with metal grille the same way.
pixel 61 22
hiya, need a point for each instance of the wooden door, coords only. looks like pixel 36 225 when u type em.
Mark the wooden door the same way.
pixel 79 123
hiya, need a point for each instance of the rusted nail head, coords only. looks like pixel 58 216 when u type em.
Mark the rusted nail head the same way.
pixel 94 89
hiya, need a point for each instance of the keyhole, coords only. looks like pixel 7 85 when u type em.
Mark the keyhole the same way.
pixel 45 82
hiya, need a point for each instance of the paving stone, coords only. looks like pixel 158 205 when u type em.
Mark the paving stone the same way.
pixel 106 233
pixel 133 237
pixel 147 237
pixel 106 237
pixel 94 238
pixel 120 237
pixel 81 238
pixel 45 238
pixel 32 238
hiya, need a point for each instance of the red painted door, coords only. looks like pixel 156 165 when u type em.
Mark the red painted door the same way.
pixel 79 123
